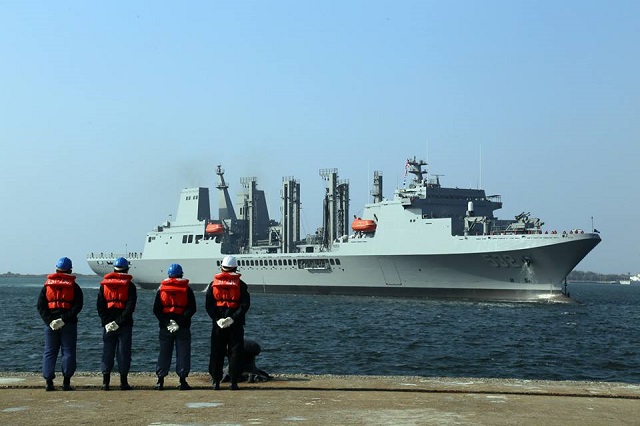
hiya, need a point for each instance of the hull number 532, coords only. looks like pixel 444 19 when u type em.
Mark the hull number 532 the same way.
pixel 502 261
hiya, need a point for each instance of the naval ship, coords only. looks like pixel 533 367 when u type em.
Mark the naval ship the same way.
pixel 427 241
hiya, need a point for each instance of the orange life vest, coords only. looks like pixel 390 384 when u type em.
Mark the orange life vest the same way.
pixel 226 289
pixel 115 287
pixel 60 290
pixel 173 295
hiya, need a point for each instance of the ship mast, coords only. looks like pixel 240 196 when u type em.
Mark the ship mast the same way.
pixel 415 168
pixel 225 207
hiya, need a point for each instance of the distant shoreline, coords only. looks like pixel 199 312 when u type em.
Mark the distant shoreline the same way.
pixel 12 275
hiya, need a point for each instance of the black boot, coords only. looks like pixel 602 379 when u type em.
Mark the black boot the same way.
pixel 124 383
pixel 183 384
pixel 216 384
pixel 106 378
pixel 66 384
pixel 49 386
pixel 160 384
pixel 234 386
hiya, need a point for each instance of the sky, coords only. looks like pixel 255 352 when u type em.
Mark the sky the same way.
pixel 109 109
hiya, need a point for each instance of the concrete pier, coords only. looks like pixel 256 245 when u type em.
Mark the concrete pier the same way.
pixel 319 400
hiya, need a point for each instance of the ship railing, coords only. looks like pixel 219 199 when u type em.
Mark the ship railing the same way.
pixel 516 230
pixel 114 255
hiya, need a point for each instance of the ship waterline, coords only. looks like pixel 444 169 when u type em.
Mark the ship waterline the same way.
pixel 427 241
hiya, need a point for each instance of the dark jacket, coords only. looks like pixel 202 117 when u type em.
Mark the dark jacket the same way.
pixel 183 319
pixel 217 312
pixel 120 316
pixel 67 315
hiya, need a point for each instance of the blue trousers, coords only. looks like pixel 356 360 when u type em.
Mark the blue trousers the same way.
pixel 64 339
pixel 117 344
pixel 181 339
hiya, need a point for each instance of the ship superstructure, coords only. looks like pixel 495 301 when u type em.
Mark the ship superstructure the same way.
pixel 428 240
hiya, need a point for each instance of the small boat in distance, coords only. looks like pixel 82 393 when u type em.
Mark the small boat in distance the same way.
pixel 425 241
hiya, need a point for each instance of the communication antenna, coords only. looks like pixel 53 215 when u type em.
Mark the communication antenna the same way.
pixel 480 166
pixel 427 157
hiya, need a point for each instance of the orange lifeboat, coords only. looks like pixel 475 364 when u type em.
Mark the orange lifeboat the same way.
pixel 363 225
pixel 214 228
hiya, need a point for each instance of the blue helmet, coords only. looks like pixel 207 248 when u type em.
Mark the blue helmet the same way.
pixel 174 270
pixel 121 264
pixel 64 264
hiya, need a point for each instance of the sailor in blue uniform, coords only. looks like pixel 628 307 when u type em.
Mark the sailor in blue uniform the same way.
pixel 116 302
pixel 59 304
pixel 174 306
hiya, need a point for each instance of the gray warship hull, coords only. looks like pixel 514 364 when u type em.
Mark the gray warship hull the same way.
pixel 485 275
pixel 406 252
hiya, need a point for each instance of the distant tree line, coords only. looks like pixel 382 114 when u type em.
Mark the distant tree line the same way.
pixel 588 276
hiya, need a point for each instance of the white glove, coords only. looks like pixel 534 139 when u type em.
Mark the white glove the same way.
pixel 173 326
pixel 112 326
pixel 225 322
pixel 56 324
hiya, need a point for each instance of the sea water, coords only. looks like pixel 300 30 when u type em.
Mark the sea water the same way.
pixel 598 339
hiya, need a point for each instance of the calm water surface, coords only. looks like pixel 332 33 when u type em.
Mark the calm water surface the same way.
pixel 596 340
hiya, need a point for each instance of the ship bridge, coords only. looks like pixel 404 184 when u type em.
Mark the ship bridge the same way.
pixel 435 201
